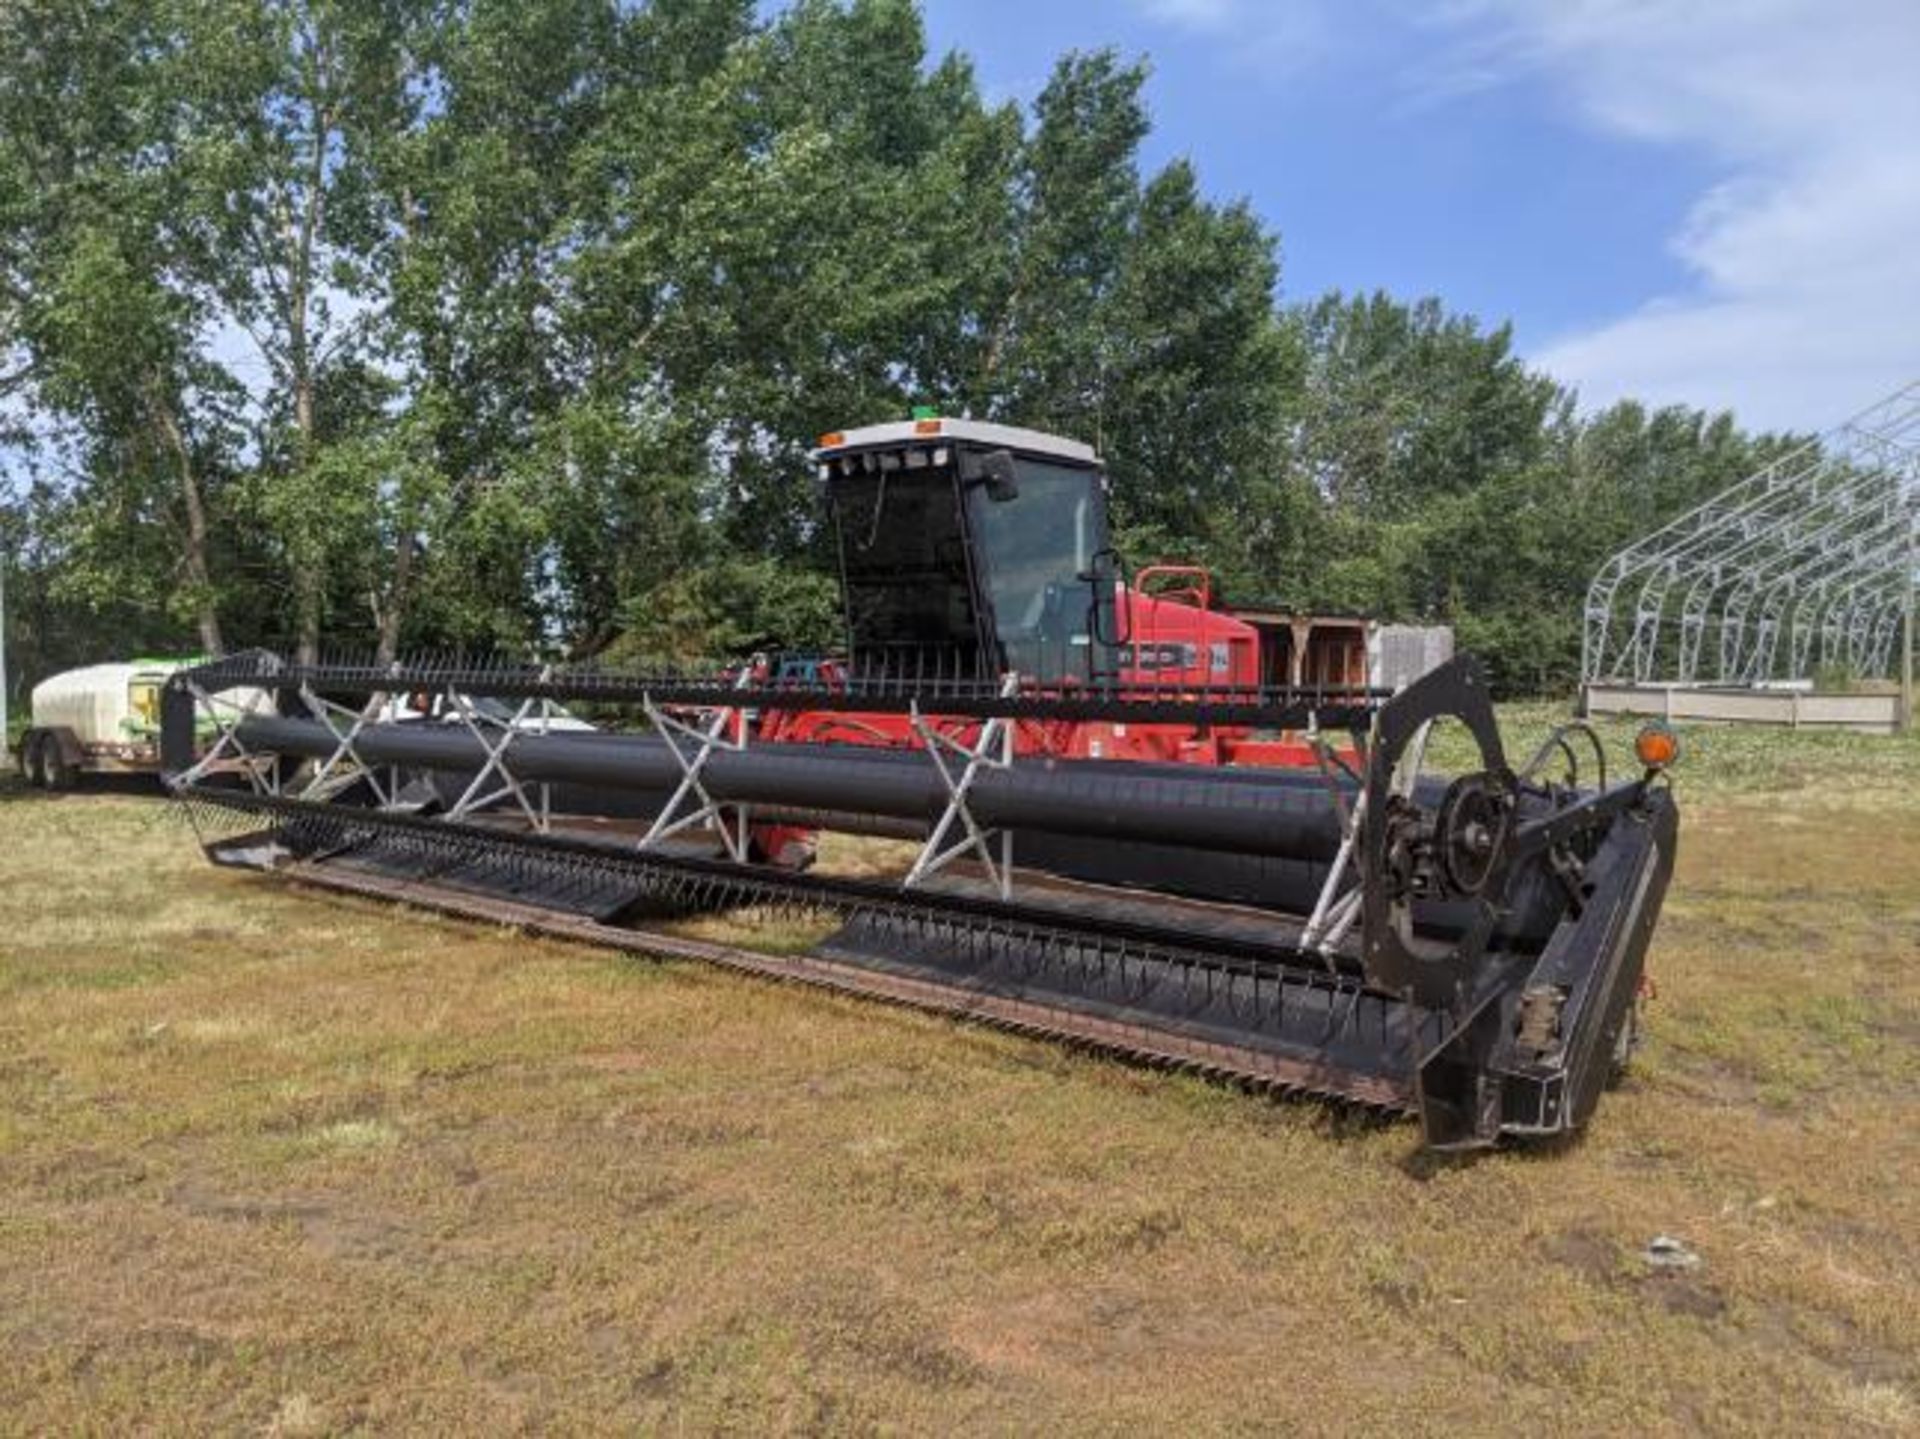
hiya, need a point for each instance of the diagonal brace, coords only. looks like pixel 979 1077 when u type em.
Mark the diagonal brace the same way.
pixel 692 745
pixel 324 710
pixel 227 740
pixel 992 750
pixel 495 762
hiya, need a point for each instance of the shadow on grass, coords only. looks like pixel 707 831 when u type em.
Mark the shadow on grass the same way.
pixel 1425 1164
pixel 1345 1121
pixel 15 790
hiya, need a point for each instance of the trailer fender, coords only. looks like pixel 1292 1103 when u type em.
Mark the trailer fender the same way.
pixel 66 744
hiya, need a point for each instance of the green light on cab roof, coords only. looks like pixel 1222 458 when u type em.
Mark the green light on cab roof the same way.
pixel 925 412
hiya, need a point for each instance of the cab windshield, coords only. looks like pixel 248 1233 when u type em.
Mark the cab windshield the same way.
pixel 903 560
pixel 1035 551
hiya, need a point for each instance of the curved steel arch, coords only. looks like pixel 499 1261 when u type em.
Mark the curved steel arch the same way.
pixel 1819 542
pixel 1825 537
pixel 1820 604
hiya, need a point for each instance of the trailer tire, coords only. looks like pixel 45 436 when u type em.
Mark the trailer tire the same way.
pixel 55 772
pixel 33 766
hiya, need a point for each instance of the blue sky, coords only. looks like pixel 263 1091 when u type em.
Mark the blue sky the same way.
pixel 1371 181
pixel 1711 202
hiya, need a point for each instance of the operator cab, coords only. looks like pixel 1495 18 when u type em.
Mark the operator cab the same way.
pixel 970 549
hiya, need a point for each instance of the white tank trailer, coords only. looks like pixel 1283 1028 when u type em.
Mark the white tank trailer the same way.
pixel 99 719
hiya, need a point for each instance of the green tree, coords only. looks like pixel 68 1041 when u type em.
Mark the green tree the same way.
pixel 1196 366
pixel 1077 197
pixel 104 347
pixel 468 322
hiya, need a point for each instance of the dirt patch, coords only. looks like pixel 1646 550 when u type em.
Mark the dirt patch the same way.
pixel 197 1198
pixel 1836 1341
pixel 1684 1294
pixel 85 1174
pixel 626 1061
pixel 657 1380
pixel 360 1237
pixel 1594 1257
pixel 1602 1261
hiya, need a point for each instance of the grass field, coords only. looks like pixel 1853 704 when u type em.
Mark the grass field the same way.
pixel 273 1162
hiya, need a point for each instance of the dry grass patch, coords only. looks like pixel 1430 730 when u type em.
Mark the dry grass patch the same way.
pixel 274 1161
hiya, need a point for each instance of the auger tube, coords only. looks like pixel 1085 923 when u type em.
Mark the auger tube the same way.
pixel 1284 816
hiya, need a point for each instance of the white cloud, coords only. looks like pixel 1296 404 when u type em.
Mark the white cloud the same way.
pixel 1272 37
pixel 1802 300
pixel 1192 14
pixel 1805 296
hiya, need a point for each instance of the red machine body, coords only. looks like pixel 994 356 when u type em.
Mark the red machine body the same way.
pixel 948 529
pixel 1174 647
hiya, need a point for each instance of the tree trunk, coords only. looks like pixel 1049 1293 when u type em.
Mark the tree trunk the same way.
pixel 391 615
pixel 306 612
pixel 199 572
pixel 308 571
pixel 309 576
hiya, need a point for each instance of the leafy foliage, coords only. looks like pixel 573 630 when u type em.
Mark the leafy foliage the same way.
pixel 467 322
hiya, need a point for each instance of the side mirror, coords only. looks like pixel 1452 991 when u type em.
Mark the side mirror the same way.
pixel 995 471
pixel 1110 623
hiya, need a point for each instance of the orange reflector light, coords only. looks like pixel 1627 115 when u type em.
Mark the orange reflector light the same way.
pixel 926 427
pixel 832 438
pixel 1656 746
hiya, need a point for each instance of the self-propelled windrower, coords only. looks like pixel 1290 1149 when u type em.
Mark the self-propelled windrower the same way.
pixel 1134 818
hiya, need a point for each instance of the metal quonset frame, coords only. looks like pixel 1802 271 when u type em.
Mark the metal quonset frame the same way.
pixel 1805 564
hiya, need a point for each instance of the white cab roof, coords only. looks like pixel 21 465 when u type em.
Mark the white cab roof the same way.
pixel 971 432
